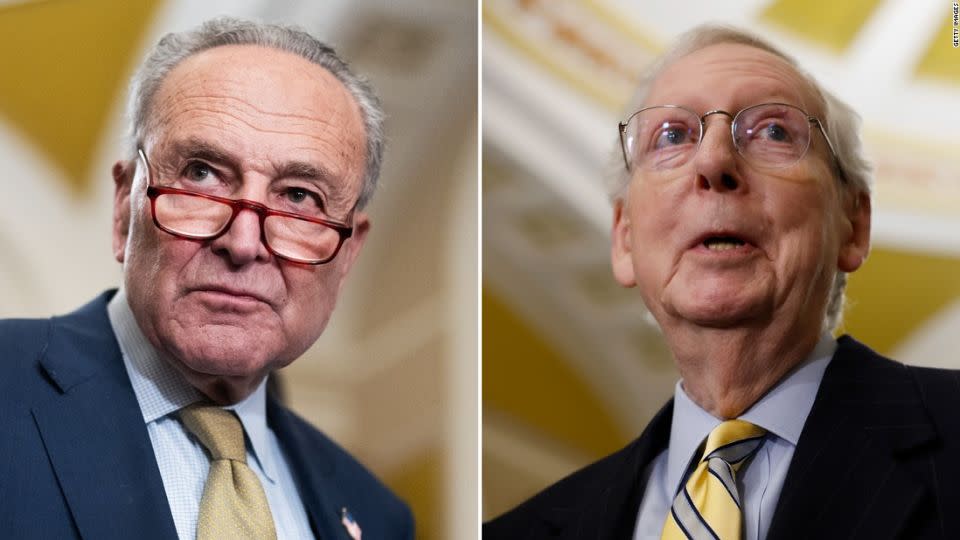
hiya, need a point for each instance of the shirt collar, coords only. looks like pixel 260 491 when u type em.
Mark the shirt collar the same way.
pixel 161 390
pixel 782 411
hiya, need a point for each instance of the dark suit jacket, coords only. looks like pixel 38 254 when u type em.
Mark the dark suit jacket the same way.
pixel 879 457
pixel 76 460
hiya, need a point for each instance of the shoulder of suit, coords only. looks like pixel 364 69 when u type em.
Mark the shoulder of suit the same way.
pixel 23 335
pixel 936 389
pixel 939 390
pixel 22 381
pixel 925 377
pixel 22 341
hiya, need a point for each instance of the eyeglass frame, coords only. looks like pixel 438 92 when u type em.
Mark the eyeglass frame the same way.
pixel 343 230
pixel 813 120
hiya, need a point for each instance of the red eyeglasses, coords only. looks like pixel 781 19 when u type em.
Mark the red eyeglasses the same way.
pixel 200 216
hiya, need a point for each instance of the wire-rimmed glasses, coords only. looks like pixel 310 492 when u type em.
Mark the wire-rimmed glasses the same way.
pixel 663 137
pixel 201 216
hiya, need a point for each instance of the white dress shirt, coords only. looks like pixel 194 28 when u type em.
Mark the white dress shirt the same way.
pixel 161 391
pixel 782 412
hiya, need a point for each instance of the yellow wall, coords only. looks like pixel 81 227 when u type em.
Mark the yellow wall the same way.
pixel 65 64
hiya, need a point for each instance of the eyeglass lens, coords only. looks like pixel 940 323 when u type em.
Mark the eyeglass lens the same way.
pixel 664 137
pixel 198 217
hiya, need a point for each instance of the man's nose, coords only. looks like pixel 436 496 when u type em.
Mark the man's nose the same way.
pixel 716 161
pixel 242 243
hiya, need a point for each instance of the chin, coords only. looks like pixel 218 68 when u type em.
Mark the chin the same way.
pixel 225 357
pixel 718 301
pixel 719 311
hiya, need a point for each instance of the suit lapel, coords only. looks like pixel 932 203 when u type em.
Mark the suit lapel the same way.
pixel 313 472
pixel 94 433
pixel 613 501
pixel 845 479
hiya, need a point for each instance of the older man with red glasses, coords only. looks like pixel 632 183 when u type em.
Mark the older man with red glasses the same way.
pixel 744 201
pixel 238 215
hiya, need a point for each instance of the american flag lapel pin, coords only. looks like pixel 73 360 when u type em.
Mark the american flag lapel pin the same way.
pixel 349 524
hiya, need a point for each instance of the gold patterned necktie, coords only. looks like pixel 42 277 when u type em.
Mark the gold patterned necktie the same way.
pixel 234 504
pixel 708 506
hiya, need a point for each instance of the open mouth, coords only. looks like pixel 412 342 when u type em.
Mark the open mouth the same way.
pixel 723 243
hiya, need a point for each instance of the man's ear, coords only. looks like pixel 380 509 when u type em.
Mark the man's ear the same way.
pixel 855 247
pixel 123 172
pixel 351 246
pixel 621 245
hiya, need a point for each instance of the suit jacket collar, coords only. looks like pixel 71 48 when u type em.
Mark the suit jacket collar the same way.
pixel 94 434
pixel 867 416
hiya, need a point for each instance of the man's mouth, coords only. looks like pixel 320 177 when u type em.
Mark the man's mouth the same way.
pixel 231 293
pixel 723 243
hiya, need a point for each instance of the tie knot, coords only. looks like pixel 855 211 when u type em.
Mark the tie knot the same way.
pixel 733 441
pixel 219 430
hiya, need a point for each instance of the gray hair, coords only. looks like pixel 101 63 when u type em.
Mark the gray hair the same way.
pixel 174 48
pixel 840 121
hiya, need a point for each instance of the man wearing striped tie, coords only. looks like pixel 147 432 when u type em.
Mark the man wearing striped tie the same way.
pixel 743 201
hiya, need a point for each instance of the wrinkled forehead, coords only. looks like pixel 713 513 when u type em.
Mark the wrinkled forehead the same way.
pixel 273 81
pixel 259 105
pixel 732 76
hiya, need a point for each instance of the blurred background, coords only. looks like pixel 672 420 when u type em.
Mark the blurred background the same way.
pixel 571 370
pixel 394 378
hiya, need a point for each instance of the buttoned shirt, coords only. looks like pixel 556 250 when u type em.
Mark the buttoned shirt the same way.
pixel 782 412
pixel 183 462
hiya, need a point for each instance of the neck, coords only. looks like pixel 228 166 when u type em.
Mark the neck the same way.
pixel 224 392
pixel 726 371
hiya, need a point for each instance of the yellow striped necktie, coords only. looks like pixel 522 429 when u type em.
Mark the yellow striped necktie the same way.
pixel 708 506
pixel 234 504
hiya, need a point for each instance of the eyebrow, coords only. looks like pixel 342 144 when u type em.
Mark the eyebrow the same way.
pixel 334 186
pixel 307 171
pixel 337 193
pixel 194 147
